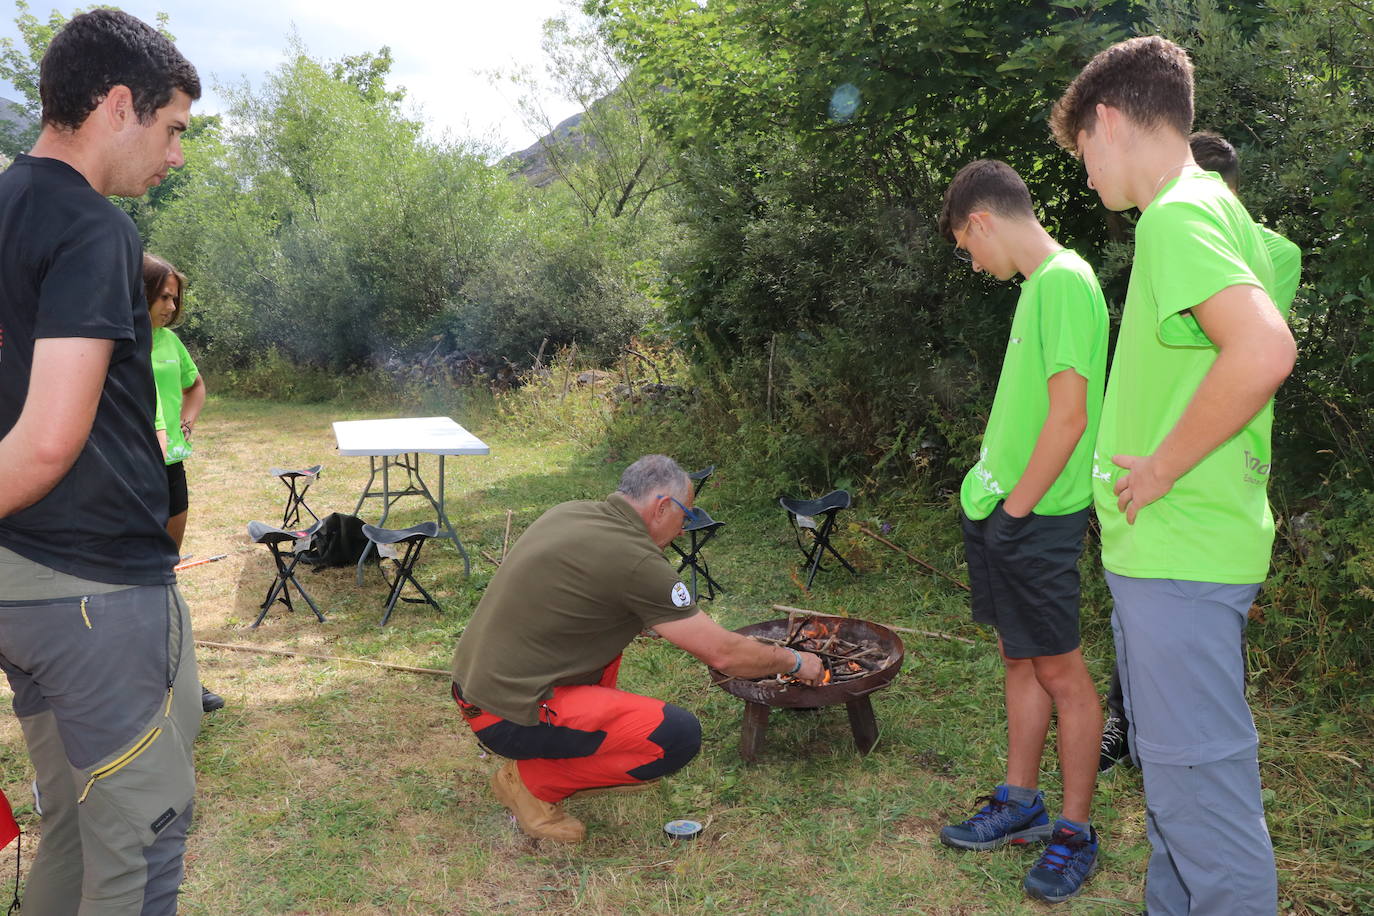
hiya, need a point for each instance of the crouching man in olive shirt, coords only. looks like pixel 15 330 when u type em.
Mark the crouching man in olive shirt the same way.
pixel 535 670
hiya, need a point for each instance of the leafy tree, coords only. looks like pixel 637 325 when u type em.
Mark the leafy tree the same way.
pixel 814 143
pixel 610 161
pixel 324 224
pixel 1289 85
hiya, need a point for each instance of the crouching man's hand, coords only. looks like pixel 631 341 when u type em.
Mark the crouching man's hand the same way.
pixel 811 669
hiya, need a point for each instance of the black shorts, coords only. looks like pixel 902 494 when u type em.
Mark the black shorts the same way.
pixel 1024 577
pixel 177 499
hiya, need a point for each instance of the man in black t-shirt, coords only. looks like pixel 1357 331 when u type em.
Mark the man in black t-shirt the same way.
pixel 94 638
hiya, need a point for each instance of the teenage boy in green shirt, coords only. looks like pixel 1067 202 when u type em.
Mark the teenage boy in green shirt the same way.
pixel 1212 153
pixel 1025 510
pixel 1180 472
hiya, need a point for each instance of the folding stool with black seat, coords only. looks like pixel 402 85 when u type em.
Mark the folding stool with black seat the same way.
pixel 701 528
pixel 274 538
pixel 803 514
pixel 297 482
pixel 412 538
pixel 699 478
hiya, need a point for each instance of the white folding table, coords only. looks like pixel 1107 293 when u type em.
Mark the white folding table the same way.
pixel 399 443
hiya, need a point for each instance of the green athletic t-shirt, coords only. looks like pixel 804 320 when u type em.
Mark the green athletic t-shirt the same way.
pixel 578 586
pixel 1193 241
pixel 1060 323
pixel 173 371
pixel 1287 260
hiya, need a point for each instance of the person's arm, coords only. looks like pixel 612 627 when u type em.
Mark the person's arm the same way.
pixel 192 401
pixel 1255 354
pixel 1063 427
pixel 160 426
pixel 64 392
pixel 736 655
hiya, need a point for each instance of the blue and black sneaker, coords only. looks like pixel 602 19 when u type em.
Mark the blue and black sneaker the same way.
pixel 999 822
pixel 1064 865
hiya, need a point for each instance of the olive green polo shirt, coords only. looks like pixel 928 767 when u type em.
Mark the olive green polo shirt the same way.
pixel 578 586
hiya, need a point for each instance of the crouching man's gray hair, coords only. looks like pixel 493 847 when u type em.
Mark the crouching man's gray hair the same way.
pixel 654 475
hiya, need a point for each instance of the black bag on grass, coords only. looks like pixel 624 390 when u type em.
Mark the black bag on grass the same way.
pixel 339 542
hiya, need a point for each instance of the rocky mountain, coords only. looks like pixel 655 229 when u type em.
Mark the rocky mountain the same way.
pixel 532 163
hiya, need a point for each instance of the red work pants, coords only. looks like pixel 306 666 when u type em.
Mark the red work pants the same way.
pixel 590 736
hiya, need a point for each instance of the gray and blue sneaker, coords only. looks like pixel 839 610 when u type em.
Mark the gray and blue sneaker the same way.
pixel 1064 865
pixel 999 822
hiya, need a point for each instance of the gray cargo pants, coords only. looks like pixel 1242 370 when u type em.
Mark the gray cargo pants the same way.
pixel 1180 648
pixel 107 695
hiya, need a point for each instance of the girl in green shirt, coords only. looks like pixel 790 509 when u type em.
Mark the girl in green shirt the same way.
pixel 180 395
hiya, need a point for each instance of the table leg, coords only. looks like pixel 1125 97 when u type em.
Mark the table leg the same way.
pixel 386 508
pixel 446 525
pixel 863 723
pixel 754 730
pixel 367 488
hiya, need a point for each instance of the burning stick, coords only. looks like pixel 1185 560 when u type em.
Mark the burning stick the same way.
pixel 841 659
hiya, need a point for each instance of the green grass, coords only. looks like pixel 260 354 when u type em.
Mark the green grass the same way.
pixel 328 787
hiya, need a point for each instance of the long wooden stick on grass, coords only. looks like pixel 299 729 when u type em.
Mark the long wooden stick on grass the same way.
pixel 264 650
pixel 912 557
pixel 789 611
pixel 180 566
pixel 505 541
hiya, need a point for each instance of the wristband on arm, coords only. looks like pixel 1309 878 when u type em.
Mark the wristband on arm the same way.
pixel 797 656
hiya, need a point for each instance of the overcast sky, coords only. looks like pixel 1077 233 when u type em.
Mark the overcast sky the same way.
pixel 440 49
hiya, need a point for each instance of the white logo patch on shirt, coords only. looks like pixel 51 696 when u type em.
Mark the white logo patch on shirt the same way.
pixel 681 597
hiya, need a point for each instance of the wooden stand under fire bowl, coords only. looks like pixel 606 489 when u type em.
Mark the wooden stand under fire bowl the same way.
pixel 761 696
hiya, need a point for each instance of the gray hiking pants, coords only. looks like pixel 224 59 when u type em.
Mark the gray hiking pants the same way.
pixel 1180 649
pixel 106 692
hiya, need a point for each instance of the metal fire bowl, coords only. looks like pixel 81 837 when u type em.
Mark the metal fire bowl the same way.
pixel 800 695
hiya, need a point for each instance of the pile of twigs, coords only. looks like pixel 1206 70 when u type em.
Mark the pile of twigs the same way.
pixel 843 659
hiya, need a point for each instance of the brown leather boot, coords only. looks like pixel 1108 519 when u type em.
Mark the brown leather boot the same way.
pixel 536 817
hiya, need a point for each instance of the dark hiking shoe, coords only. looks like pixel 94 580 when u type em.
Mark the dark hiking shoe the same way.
pixel 1114 747
pixel 209 702
pixel 999 822
pixel 1064 865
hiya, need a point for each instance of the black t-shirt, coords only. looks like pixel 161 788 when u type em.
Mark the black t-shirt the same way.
pixel 71 265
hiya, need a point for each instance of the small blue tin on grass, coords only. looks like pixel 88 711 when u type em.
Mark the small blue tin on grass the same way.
pixel 682 829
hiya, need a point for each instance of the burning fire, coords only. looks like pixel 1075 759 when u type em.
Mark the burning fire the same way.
pixel 845 657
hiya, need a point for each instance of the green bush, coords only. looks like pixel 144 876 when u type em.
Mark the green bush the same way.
pixel 271 375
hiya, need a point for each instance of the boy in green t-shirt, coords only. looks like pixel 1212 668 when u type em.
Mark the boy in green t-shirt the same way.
pixel 1180 471
pixel 1212 153
pixel 1025 510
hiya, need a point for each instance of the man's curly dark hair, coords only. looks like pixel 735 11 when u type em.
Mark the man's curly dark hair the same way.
pixel 104 48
